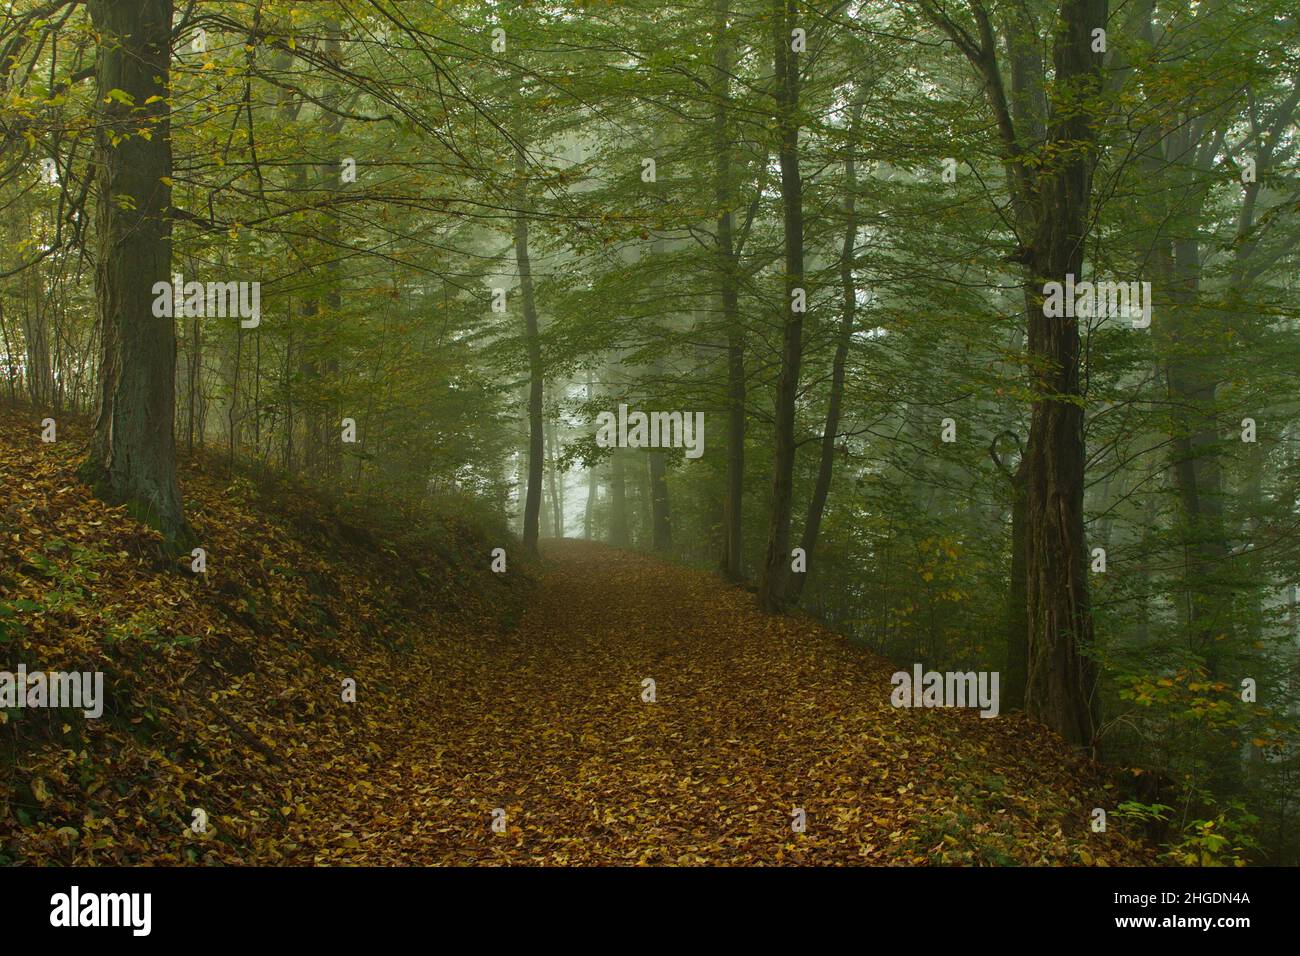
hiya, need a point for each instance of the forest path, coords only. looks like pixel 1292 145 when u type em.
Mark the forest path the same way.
pixel 754 716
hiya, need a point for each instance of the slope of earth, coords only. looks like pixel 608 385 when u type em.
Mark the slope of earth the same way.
pixel 224 690
pixel 518 699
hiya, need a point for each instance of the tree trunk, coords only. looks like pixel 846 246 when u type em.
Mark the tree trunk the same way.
pixel 1061 680
pixel 644 509
pixel 776 563
pixel 10 364
pixel 733 500
pixel 661 519
pixel 589 511
pixel 1195 467
pixel 193 383
pixel 591 484
pixel 557 482
pixel 619 535
pixel 1017 666
pixel 536 439
pixel 825 467
pixel 132 455
pixel 36 326
pixel 331 182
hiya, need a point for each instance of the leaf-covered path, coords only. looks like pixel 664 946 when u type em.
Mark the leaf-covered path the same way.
pixel 754 716
pixel 474 692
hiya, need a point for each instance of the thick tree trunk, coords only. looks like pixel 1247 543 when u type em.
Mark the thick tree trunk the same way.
pixel 1050 192
pixel 536 439
pixel 1061 680
pixel 776 562
pixel 132 455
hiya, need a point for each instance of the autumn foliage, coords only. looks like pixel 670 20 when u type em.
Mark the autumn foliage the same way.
pixel 475 692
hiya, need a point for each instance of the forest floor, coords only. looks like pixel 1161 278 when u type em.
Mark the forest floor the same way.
pixel 476 693
pixel 753 717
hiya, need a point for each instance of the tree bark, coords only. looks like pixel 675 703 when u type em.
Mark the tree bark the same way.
pixel 132 456
pixel 557 482
pixel 36 325
pixel 591 485
pixel 733 498
pixel 331 182
pixel 826 465
pixel 776 563
pixel 1016 668
pixel 536 438
pixel 1051 196
pixel 1061 679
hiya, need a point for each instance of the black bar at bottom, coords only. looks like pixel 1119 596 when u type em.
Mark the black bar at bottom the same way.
pixel 334 906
